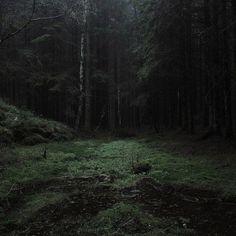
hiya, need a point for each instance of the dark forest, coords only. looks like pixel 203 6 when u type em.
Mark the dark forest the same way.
pixel 118 117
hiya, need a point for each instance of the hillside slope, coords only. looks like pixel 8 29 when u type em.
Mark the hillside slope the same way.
pixel 23 127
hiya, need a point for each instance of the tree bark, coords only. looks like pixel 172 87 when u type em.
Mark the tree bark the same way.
pixel 226 67
pixel 87 72
pixel 111 86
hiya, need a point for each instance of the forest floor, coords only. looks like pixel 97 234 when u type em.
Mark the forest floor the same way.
pixel 87 187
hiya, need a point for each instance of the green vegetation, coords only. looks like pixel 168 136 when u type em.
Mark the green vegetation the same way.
pixel 109 157
pixel 114 157
pixel 126 219
pixel 24 127
pixel 33 203
pixel 26 168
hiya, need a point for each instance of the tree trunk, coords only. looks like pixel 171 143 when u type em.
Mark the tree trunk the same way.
pixel 226 72
pixel 217 85
pixel 81 82
pixel 87 73
pixel 206 65
pixel 84 77
pixel 111 87
pixel 119 92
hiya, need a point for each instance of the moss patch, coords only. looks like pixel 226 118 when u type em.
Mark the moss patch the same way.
pixel 24 127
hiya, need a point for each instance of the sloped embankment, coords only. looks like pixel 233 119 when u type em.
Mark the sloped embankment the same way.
pixel 25 128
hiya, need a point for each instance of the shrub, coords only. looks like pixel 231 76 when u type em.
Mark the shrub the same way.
pixel 34 139
pixel 2 116
pixel 124 133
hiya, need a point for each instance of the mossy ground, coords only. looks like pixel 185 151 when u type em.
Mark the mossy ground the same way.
pixel 109 157
pixel 23 127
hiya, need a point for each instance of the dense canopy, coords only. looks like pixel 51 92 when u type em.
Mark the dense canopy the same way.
pixel 122 63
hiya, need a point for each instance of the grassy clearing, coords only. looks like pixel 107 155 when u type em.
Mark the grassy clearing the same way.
pixel 113 157
pixel 26 166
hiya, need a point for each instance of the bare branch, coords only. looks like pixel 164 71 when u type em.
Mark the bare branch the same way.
pixel 23 27
pixel 47 18
pixel 30 20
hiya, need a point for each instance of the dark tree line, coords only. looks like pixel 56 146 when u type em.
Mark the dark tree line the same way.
pixel 96 64
pixel 189 59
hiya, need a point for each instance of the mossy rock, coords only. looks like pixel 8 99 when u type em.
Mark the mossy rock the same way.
pixel 6 135
pixel 34 140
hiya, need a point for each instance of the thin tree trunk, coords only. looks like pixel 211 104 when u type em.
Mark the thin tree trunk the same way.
pixel 226 73
pixel 111 87
pixel 216 62
pixel 84 80
pixel 81 83
pixel 87 77
pixel 119 92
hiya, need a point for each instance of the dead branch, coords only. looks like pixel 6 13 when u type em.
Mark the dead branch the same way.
pixel 30 20
pixel 47 18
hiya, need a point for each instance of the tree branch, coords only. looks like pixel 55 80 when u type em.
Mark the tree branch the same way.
pixel 30 20
pixel 23 27
pixel 47 18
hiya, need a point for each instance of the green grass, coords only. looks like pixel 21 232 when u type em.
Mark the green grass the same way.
pixel 128 219
pixel 111 157
pixel 33 204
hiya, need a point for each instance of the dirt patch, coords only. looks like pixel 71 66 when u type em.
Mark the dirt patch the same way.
pixel 201 210
pixel 86 196
pixel 68 216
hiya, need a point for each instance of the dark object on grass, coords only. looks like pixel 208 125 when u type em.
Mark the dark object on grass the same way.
pixel 141 167
pixel 45 152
